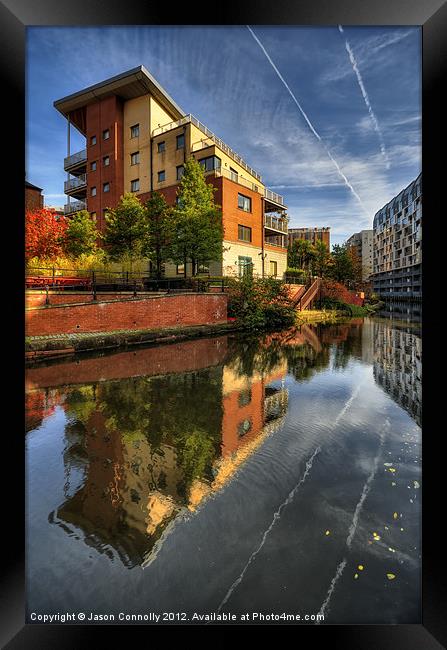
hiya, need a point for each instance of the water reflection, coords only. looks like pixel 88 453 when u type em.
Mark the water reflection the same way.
pixel 149 437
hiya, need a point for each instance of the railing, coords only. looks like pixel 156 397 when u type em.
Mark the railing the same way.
pixel 225 148
pixel 273 196
pixel 74 206
pixel 75 183
pixel 236 178
pixel 75 158
pixel 276 223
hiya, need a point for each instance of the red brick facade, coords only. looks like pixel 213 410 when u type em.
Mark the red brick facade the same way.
pixel 135 314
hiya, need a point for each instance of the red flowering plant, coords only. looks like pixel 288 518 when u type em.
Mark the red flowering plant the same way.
pixel 45 233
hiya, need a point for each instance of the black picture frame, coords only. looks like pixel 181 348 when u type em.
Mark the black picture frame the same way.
pixel 15 16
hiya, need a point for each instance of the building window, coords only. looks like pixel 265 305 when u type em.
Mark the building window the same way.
pixel 181 141
pixel 106 161
pixel 106 187
pixel 93 191
pixel 273 268
pixel 93 166
pixel 180 171
pixel 161 147
pixel 106 134
pixel 161 176
pixel 244 427
pixel 135 158
pixel 245 265
pixel 203 268
pixel 210 163
pixel 93 140
pixel 135 185
pixel 244 202
pixel 243 233
pixel 234 175
pixel 135 131
pixel 93 216
pixel 180 269
pixel 244 398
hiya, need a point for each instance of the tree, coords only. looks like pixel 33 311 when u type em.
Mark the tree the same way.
pixel 81 235
pixel 301 254
pixel 321 261
pixel 125 231
pixel 44 234
pixel 197 221
pixel 342 268
pixel 158 230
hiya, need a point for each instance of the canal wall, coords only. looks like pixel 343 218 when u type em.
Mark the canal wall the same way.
pixel 140 313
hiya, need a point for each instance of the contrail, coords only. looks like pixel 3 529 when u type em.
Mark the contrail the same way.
pixel 353 526
pixel 309 123
pixel 366 98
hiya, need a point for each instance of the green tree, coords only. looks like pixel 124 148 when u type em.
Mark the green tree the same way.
pixel 126 229
pixel 158 230
pixel 342 268
pixel 301 254
pixel 321 259
pixel 197 221
pixel 81 235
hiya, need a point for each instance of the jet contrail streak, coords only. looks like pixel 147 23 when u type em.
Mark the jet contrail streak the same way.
pixel 309 123
pixel 366 98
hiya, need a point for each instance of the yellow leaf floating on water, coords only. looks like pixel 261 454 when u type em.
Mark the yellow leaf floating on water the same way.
pixel 356 576
pixel 390 576
pixel 376 537
pixel 393 483
pixel 360 567
pixel 416 484
pixel 328 532
pixel 391 469
pixel 395 516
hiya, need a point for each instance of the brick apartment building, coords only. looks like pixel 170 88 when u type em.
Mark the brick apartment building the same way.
pixel 33 197
pixel 310 234
pixel 397 248
pixel 138 139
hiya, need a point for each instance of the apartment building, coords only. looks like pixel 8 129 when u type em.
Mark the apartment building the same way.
pixel 362 242
pixel 138 140
pixel 33 197
pixel 397 245
pixel 310 234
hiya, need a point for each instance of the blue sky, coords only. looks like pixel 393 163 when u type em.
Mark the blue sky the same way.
pixel 329 116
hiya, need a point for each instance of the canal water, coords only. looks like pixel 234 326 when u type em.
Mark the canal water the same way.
pixel 278 475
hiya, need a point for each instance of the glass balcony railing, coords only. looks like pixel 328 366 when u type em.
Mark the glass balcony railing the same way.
pixel 272 196
pixel 75 183
pixel 275 223
pixel 75 159
pixel 74 206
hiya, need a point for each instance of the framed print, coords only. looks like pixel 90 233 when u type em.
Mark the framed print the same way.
pixel 226 321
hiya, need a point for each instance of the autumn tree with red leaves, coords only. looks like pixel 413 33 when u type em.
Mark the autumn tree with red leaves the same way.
pixel 44 234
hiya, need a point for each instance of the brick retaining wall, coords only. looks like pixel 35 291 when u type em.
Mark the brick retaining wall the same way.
pixel 128 314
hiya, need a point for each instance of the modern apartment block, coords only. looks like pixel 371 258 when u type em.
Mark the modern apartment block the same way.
pixel 397 247
pixel 310 234
pixel 138 140
pixel 362 242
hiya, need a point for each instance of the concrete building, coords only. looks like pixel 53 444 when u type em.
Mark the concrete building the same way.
pixel 362 242
pixel 33 197
pixel 310 234
pixel 397 245
pixel 138 139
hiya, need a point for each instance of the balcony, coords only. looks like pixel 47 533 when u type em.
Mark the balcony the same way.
pixel 277 224
pixel 77 161
pixel 273 197
pixel 76 185
pixel 74 206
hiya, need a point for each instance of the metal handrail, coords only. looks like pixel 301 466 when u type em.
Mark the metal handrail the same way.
pixel 273 196
pixel 220 143
pixel 76 182
pixel 79 156
pixel 276 223
pixel 74 206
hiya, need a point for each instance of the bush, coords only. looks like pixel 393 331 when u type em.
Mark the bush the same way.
pixel 260 303
pixel 298 275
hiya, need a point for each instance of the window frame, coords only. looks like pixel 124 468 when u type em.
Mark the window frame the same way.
pixel 104 190
pixel 93 140
pixel 243 196
pixel 137 162
pixel 93 190
pixel 177 147
pixel 177 171
pixel 241 232
pixel 93 166
pixel 104 136
pixel 137 127
pixel 162 171
pixel 135 180
pixel 163 145
pixel 104 161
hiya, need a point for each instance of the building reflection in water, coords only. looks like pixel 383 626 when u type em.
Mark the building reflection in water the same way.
pixel 144 451
pixel 398 364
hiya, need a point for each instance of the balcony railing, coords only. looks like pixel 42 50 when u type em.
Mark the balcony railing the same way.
pixel 224 147
pixel 75 183
pixel 277 198
pixel 74 206
pixel 275 223
pixel 75 159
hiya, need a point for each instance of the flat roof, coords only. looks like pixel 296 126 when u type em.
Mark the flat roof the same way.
pixel 127 85
pixel 31 186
